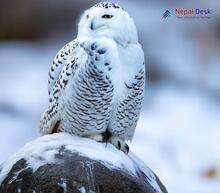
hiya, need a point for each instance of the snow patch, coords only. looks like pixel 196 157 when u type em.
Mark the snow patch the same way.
pixel 82 190
pixel 63 185
pixel 150 177
pixel 16 174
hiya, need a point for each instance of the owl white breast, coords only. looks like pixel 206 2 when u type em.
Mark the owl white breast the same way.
pixel 96 82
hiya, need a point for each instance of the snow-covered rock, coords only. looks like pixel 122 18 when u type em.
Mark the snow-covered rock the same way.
pixel 65 163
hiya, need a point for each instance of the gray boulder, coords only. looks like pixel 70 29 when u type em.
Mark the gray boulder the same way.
pixel 61 163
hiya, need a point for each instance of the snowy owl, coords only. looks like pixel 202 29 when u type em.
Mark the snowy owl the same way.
pixel 96 82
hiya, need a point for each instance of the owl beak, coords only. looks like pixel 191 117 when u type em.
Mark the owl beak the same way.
pixel 98 28
pixel 95 27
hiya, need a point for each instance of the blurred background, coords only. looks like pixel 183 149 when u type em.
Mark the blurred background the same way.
pixel 179 130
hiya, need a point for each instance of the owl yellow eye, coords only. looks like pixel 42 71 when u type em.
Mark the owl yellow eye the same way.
pixel 106 16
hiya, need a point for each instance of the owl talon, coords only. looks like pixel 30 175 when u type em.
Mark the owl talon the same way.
pixel 127 148
pixel 119 144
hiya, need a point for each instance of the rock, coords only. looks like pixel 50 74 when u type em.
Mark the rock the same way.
pixel 61 163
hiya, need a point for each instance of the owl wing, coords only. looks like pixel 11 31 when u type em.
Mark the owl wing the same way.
pixel 132 103
pixel 63 67
pixel 89 108
pixel 87 71
pixel 128 107
pixel 59 61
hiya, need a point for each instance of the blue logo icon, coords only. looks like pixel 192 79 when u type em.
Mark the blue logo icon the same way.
pixel 166 14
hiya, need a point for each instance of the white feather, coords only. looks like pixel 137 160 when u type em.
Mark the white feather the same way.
pixel 85 107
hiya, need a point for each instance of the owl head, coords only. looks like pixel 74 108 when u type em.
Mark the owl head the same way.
pixel 109 20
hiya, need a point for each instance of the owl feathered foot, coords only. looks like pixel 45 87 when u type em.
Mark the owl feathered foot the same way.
pixel 96 137
pixel 107 137
pixel 119 144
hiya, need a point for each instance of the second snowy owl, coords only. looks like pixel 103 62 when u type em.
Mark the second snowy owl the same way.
pixel 96 82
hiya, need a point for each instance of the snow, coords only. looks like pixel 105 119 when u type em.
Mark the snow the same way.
pixel 178 137
pixel 21 103
pixel 82 190
pixel 16 174
pixel 150 177
pixel 42 151
pixel 63 185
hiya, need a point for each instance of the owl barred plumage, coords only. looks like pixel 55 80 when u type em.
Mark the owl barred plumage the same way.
pixel 59 61
pixel 96 82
